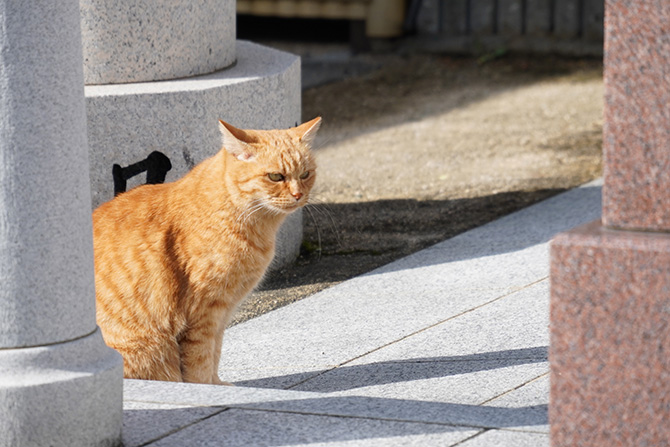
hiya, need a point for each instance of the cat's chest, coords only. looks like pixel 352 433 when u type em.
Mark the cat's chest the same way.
pixel 230 260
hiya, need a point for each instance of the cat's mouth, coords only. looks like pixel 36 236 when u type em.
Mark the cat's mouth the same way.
pixel 289 207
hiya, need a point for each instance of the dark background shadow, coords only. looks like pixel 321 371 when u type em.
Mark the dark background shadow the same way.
pixel 343 240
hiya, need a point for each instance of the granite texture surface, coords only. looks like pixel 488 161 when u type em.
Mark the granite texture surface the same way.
pixel 126 122
pixel 46 244
pixel 435 368
pixel 443 364
pixel 507 438
pixel 131 41
pixel 610 308
pixel 379 419
pixel 145 421
pixel 512 251
pixel 533 398
pixel 64 394
pixel 637 118
pixel 237 427
pixel 447 418
pixel 610 298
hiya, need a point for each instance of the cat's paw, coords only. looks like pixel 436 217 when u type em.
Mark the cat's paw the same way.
pixel 217 381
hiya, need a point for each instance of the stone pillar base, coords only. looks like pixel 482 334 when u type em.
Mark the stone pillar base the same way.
pixel 60 394
pixel 179 117
pixel 610 338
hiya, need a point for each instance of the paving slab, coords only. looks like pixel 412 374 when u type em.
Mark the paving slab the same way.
pixel 446 347
pixel 506 438
pixel 356 317
pixel 534 396
pixel 472 416
pixel 196 395
pixel 512 327
pixel 186 409
pixel 144 422
pixel 185 397
pixel 468 359
pixel 237 427
pixel 442 380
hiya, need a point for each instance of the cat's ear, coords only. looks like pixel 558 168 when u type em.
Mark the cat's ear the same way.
pixel 307 131
pixel 232 139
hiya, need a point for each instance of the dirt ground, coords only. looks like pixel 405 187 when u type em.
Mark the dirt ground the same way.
pixel 425 147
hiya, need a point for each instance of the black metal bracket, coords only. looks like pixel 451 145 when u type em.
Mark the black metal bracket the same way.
pixel 156 165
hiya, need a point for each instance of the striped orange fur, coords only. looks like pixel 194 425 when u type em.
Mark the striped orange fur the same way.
pixel 173 261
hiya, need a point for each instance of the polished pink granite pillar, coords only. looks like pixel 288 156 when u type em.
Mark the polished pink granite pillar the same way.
pixel 610 281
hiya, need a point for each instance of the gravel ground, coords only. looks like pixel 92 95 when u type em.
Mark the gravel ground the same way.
pixel 416 149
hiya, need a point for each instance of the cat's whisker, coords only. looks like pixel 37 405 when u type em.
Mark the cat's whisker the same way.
pixel 318 232
pixel 324 209
pixel 256 205
pixel 241 218
pixel 323 142
pixel 250 214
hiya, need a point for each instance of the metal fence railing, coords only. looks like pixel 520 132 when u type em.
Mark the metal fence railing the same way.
pixel 566 26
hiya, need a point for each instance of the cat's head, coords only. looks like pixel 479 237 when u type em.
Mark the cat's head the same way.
pixel 273 169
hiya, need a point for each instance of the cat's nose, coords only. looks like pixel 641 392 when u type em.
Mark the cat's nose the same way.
pixel 297 195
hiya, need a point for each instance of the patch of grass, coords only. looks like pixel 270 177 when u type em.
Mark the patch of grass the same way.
pixel 492 55
pixel 309 248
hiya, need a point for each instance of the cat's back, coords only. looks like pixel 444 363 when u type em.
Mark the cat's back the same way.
pixel 130 228
pixel 136 205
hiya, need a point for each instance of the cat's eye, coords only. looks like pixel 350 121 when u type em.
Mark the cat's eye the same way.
pixel 304 175
pixel 275 176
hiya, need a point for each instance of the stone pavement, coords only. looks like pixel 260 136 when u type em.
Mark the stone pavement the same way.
pixel 446 347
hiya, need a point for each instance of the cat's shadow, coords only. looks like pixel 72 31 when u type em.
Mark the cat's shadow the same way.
pixel 350 377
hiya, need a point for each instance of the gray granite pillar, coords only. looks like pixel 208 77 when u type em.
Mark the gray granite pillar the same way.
pixel 59 383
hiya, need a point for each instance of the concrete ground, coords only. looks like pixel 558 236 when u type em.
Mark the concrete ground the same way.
pixel 446 347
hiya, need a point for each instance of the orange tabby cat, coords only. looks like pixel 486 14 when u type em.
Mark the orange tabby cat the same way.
pixel 172 261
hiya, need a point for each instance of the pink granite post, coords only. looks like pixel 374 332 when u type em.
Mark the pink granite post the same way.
pixel 610 298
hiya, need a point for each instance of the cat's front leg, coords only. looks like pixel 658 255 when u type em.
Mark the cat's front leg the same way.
pixel 217 381
pixel 151 358
pixel 197 354
pixel 217 356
